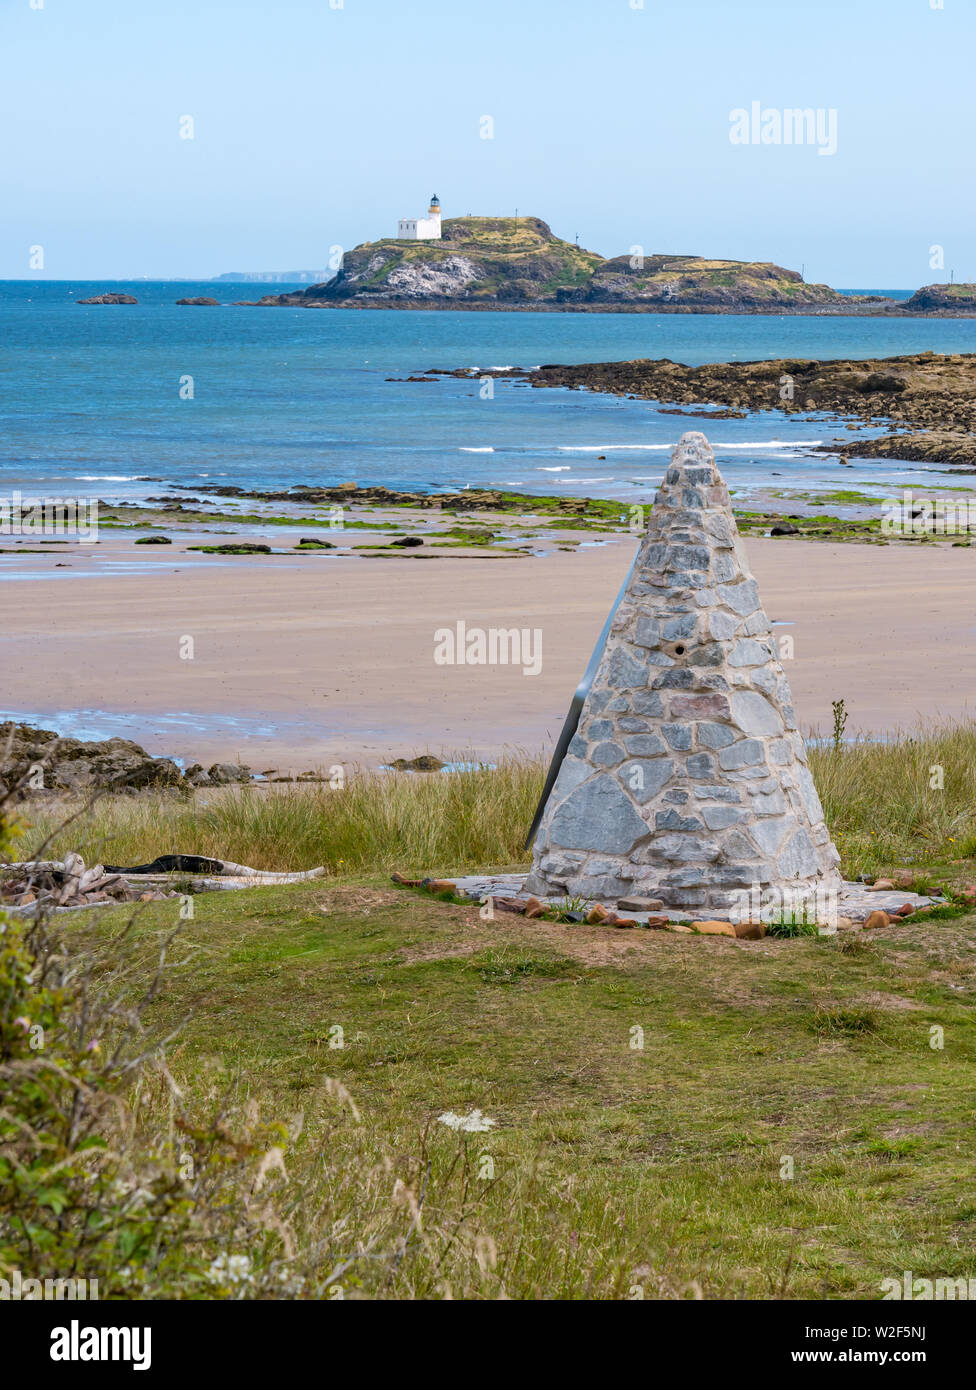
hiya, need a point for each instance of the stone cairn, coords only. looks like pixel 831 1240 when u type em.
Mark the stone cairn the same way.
pixel 687 777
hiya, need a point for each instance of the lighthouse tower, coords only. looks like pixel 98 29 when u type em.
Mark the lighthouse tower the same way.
pixel 422 228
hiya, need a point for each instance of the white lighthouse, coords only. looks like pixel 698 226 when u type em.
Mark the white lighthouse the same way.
pixel 422 228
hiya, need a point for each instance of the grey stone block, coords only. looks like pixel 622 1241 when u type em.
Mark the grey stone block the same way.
pixel 677 679
pixel 700 765
pixel 717 793
pixel 680 629
pixel 712 654
pixel 721 817
pixel 742 598
pixel 647 702
pixel 748 652
pixel 599 728
pixel 677 735
pixel 599 815
pixel 799 858
pixel 572 773
pixel 770 834
pixel 671 820
pixel 624 670
pixel 715 735
pixel 746 753
pixel 646 632
pixel 684 847
pixel 754 714
pixel 645 745
pixel 645 779
pixel 606 755
pixel 723 626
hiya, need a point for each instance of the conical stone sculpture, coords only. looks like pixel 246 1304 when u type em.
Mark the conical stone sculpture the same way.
pixel 687 777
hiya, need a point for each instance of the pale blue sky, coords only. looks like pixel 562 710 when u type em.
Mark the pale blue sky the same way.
pixel 316 127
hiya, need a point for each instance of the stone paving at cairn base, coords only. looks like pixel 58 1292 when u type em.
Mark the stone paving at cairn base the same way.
pixel 854 900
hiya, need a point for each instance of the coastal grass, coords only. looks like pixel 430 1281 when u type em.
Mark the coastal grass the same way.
pixel 443 822
pixel 673 1117
pixel 906 801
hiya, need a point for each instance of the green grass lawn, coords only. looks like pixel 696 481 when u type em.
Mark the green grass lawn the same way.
pixel 786 1129
pixel 614 1170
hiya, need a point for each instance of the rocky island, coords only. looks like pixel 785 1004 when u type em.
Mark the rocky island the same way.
pixel 517 263
pixel 508 263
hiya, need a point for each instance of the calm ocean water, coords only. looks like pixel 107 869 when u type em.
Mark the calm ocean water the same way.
pixel 90 396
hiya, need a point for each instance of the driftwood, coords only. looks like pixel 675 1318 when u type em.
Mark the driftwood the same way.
pixel 66 885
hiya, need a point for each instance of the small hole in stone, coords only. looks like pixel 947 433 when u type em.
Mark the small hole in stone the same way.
pixel 679 650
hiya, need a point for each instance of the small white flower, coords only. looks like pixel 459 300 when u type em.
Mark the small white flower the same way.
pixel 230 1269
pixel 475 1123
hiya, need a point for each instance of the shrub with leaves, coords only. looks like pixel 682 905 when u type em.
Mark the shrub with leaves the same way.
pixel 87 1189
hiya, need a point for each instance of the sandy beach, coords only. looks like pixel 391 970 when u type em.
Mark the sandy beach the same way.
pixel 302 663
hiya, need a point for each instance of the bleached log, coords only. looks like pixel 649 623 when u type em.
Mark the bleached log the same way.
pixel 233 870
pixel 240 873
pixel 32 909
pixel 90 877
pixel 214 885
pixel 33 866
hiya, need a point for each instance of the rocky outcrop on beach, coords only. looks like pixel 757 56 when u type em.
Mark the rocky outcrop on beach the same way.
pixel 472 499
pixel 112 298
pixel 931 397
pixel 36 761
pixel 935 446
pixel 40 760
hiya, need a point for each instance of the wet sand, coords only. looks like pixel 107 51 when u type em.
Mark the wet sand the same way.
pixel 305 662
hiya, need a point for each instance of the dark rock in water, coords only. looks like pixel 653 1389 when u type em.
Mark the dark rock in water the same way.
pixel 202 300
pixel 223 773
pixel 314 543
pixel 153 540
pixel 408 540
pixel 234 548
pixel 109 299
pixel 784 528
pixel 38 761
pixel 425 763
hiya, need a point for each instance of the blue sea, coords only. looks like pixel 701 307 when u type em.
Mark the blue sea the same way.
pixel 90 397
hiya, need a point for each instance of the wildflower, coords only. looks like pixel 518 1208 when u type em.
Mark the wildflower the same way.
pixel 475 1123
pixel 24 1023
pixel 231 1269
